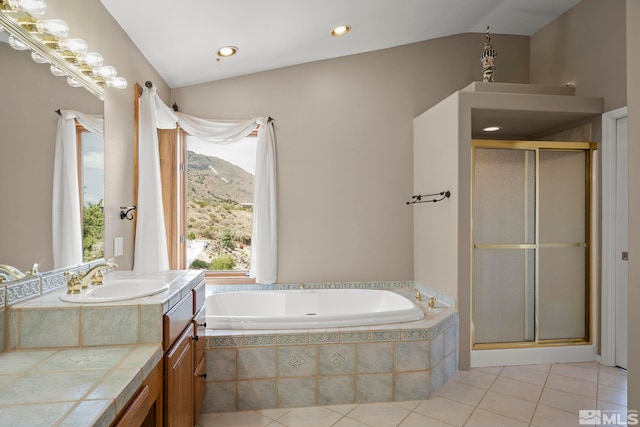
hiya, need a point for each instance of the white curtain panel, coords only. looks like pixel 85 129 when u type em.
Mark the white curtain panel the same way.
pixel 66 209
pixel 264 258
pixel 151 241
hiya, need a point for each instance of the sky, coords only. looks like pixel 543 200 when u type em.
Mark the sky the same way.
pixel 92 168
pixel 241 153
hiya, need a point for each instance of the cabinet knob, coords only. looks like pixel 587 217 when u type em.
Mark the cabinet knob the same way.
pixel 196 338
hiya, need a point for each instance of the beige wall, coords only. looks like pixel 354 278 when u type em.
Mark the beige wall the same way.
pixel 633 101
pixel 344 147
pixel 89 20
pixel 586 46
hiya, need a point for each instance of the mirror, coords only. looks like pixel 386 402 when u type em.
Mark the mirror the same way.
pixel 30 96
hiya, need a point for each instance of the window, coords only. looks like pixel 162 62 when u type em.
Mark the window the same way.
pixel 91 182
pixel 219 204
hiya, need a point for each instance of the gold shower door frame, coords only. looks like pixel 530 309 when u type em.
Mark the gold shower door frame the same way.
pixel 537 146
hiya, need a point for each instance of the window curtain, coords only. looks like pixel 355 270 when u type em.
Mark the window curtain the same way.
pixel 66 208
pixel 264 234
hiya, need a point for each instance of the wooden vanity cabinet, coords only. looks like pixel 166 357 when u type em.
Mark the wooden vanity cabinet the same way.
pixel 184 361
pixel 145 407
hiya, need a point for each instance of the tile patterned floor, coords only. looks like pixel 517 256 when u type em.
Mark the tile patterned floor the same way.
pixel 512 396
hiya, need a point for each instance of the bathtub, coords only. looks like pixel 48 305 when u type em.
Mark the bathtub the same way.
pixel 308 309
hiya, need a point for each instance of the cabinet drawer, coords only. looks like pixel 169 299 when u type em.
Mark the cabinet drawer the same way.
pixel 176 320
pixel 199 387
pixel 199 295
pixel 199 331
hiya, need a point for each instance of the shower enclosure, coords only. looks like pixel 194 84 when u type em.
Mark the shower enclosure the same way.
pixel 531 239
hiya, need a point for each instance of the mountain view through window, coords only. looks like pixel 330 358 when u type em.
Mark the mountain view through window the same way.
pixel 219 204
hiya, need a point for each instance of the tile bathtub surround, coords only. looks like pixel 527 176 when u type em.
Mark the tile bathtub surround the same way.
pixel 532 395
pixel 74 387
pixel 283 369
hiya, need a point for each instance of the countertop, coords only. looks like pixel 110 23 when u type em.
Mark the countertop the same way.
pixel 78 365
pixel 74 387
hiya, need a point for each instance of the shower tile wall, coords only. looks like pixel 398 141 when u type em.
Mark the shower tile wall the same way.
pixel 406 361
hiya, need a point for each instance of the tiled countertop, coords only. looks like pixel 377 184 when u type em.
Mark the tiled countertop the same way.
pixel 71 387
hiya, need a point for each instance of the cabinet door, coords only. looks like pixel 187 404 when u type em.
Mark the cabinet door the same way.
pixel 179 382
pixel 199 387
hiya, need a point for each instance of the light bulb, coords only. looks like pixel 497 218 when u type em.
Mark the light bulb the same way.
pixel 32 7
pixel 75 45
pixel 227 51
pixel 39 58
pixel 93 59
pixel 73 82
pixel 55 27
pixel 118 83
pixel 17 44
pixel 106 71
pixel 57 71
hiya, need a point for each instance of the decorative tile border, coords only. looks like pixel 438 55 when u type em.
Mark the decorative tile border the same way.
pixel 21 290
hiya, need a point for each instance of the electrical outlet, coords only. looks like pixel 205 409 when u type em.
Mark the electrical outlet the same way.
pixel 118 246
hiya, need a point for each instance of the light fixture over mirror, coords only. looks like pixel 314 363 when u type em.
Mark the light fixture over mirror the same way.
pixel 46 39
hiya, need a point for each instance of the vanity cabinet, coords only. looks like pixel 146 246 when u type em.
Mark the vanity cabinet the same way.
pixel 145 407
pixel 184 360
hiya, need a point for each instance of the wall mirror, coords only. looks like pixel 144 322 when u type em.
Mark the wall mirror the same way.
pixel 30 96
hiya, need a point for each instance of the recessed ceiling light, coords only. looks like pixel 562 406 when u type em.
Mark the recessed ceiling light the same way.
pixel 341 30
pixel 492 128
pixel 227 51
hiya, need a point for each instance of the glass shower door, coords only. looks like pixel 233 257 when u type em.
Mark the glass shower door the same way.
pixel 504 207
pixel 530 252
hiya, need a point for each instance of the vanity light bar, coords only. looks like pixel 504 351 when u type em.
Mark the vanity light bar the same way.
pixel 67 57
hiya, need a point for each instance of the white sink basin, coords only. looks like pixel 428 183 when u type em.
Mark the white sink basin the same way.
pixel 117 290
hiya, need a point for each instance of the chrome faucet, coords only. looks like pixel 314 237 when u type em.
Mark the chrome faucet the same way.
pixel 95 275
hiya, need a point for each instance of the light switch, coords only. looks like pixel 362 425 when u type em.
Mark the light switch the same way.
pixel 625 256
pixel 118 246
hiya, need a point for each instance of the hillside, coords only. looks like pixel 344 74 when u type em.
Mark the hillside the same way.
pixel 219 211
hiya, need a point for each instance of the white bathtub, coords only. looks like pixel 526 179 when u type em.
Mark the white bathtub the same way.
pixel 307 309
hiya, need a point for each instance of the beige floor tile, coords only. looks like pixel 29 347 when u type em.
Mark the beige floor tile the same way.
pixel 552 417
pixel 379 414
pixel 240 419
pixel 612 370
pixel 446 410
pixel 342 409
pixel 539 367
pixel 461 392
pixel 310 417
pixel 572 385
pixel 274 414
pixel 348 422
pixel 409 405
pixel 493 370
pixel 577 372
pixel 586 365
pixel 512 407
pixel 417 420
pixel 475 378
pixel 528 375
pixel 481 418
pixel 515 388
pixel 612 380
pixel 207 420
pixel 612 395
pixel 566 401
